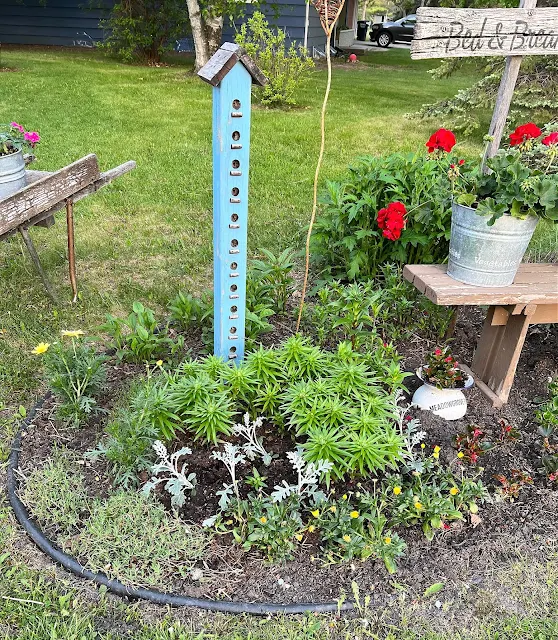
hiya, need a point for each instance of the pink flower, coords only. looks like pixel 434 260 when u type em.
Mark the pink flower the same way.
pixel 17 126
pixel 32 137
pixel 438 352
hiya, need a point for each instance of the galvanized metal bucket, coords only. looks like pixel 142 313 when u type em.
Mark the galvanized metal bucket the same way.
pixel 487 256
pixel 12 174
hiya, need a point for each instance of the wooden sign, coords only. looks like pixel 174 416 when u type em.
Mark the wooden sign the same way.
pixel 451 33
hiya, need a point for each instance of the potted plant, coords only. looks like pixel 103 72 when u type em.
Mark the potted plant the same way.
pixel 346 37
pixel 14 140
pixel 497 207
pixel 443 382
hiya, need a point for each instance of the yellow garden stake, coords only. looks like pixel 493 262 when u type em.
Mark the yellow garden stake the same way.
pixel 329 11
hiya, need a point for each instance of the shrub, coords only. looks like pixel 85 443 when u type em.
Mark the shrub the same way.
pixel 76 374
pixel 285 68
pixel 347 242
pixel 142 30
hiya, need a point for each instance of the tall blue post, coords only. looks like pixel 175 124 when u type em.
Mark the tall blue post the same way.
pixel 231 72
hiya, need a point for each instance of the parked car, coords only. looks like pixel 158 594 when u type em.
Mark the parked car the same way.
pixel 399 31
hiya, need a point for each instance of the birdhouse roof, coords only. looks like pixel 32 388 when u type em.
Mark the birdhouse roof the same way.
pixel 223 60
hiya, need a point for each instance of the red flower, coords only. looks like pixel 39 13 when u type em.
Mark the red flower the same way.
pixel 392 220
pixel 461 163
pixel 442 139
pixel 446 526
pixel 438 352
pixel 448 359
pixel 524 132
pixel 551 139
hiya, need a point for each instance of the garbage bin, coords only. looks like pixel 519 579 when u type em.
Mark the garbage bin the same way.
pixel 362 30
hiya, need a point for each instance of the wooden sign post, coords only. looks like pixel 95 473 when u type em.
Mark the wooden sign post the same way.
pixel 449 33
pixel 231 73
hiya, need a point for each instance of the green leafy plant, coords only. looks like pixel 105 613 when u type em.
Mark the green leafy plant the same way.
pixel 547 417
pixel 142 30
pixel 286 68
pixel 178 483
pixel 347 242
pixel 471 444
pixel 76 375
pixel 151 402
pixel 138 337
pixel 275 270
pixel 14 138
pixel 512 486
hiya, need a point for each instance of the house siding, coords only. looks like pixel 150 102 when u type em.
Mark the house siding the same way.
pixel 70 23
pixel 58 22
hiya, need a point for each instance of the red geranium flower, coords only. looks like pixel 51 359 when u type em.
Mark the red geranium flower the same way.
pixel 392 220
pixel 442 139
pixel 524 132
pixel 461 163
pixel 438 352
pixel 551 139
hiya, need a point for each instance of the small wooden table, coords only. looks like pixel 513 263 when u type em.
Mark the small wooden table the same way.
pixel 44 195
pixel 531 299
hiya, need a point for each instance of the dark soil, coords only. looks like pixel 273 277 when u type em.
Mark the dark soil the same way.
pixel 463 555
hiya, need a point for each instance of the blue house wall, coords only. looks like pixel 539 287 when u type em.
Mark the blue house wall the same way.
pixel 71 23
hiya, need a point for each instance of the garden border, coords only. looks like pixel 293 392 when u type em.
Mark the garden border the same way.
pixel 175 600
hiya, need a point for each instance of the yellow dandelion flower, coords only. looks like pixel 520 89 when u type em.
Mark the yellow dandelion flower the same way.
pixel 423 446
pixel 347 538
pixel 333 508
pixel 397 490
pixel 311 528
pixel 229 522
pixel 461 454
pixel 316 513
pixel 159 363
pixel 298 536
pixel 263 519
pixel 41 348
pixel 418 506
pixel 436 455
pixel 454 491
pixel 387 540
pixel 354 514
pixel 72 334
pixel 344 496
pixel 437 449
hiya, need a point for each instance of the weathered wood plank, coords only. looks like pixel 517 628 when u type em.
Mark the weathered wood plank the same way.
pixel 224 59
pixel 41 195
pixel 444 33
pixel 106 178
pixel 545 314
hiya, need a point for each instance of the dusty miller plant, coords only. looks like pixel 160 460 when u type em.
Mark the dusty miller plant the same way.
pixel 230 457
pixel 411 433
pixel 179 482
pixel 309 474
pixel 253 447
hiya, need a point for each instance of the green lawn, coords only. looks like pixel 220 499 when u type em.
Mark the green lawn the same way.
pixel 148 235
pixel 150 232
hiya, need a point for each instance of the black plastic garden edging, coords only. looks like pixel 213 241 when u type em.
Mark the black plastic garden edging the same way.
pixel 73 566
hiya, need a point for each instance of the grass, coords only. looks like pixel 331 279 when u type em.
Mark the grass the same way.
pixel 149 233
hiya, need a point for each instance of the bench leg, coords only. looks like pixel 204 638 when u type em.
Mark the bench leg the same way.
pixel 71 247
pixel 35 259
pixel 498 352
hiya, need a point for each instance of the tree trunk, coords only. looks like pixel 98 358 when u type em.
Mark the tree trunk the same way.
pixel 198 33
pixel 364 8
pixel 214 33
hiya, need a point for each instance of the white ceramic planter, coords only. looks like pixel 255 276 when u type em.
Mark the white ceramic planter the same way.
pixel 449 404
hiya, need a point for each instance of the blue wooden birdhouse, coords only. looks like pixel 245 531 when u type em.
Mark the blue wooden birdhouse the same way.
pixel 231 72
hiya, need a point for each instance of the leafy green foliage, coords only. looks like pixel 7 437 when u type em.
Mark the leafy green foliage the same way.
pixel 138 338
pixel 534 97
pixel 514 187
pixel 386 306
pixel 76 375
pixel 356 527
pixel 433 497
pixel 285 68
pixel 143 30
pixel 275 271
pixel 347 242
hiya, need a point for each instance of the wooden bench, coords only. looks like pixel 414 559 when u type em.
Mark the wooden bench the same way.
pixel 45 194
pixel 531 299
